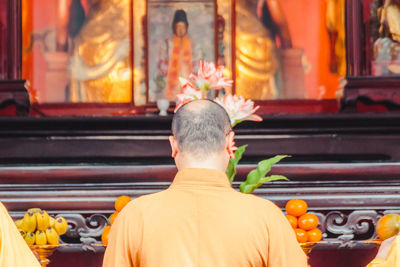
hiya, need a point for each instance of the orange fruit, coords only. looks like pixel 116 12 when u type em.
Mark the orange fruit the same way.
pixel 292 220
pixel 121 202
pixel 113 217
pixel 104 235
pixel 308 221
pixel 388 226
pixel 314 235
pixel 301 235
pixel 296 207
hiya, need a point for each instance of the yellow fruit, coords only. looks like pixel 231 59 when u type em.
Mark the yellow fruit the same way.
pixel 18 223
pixel 22 232
pixel 104 235
pixel 308 221
pixel 121 202
pixel 52 221
pixel 29 222
pixel 314 235
pixel 34 210
pixel 113 217
pixel 42 220
pixel 52 236
pixel 41 238
pixel 30 238
pixel 61 225
pixel 292 220
pixel 296 207
pixel 388 226
pixel 301 235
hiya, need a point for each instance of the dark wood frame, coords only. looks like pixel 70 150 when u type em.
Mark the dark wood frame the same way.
pixel 12 89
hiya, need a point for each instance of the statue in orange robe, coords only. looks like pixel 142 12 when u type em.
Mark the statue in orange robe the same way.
pixel 200 220
pixel 178 55
pixel 13 249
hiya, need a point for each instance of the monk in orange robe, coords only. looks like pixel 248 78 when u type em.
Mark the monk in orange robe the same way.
pixel 388 254
pixel 13 249
pixel 200 220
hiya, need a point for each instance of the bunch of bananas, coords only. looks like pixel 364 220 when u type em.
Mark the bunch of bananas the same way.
pixel 37 227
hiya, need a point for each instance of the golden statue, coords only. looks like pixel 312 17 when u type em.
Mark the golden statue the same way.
pixel 257 61
pixel 101 63
pixel 386 56
pixel 390 18
pixel 335 25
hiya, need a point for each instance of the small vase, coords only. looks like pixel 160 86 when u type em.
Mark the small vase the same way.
pixel 163 105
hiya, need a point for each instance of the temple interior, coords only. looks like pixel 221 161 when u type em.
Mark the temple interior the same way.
pixel 89 88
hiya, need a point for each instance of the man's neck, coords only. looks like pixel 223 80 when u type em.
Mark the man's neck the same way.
pixel 214 163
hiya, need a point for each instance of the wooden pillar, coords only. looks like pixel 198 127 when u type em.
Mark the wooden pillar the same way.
pixel 12 89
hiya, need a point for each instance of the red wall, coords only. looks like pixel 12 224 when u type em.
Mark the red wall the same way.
pixel 307 26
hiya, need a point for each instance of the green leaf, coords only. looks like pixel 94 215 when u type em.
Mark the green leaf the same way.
pixel 272 178
pixel 265 166
pixel 231 170
pixel 257 177
pixel 242 186
pixel 253 177
pixel 249 188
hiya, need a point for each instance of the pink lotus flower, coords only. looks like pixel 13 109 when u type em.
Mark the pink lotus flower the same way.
pixel 239 109
pixel 210 77
pixel 189 93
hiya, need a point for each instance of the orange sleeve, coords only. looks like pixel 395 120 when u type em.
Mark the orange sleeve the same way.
pixel 283 248
pixel 123 242
pixel 392 259
pixel 376 263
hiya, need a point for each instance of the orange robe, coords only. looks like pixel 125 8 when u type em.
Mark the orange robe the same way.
pixel 13 250
pixel 200 220
pixel 392 259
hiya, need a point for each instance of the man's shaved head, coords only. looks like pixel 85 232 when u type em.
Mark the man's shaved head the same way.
pixel 200 127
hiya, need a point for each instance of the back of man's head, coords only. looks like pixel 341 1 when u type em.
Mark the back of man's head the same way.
pixel 200 128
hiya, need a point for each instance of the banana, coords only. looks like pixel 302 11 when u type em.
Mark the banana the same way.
pixel 60 225
pixel 28 223
pixel 22 232
pixel 18 223
pixel 34 210
pixel 52 221
pixel 30 238
pixel 43 220
pixel 41 238
pixel 52 236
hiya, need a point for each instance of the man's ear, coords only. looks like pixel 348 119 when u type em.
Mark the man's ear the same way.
pixel 230 143
pixel 174 146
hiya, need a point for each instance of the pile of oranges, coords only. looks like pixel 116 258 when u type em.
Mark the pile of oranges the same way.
pixel 119 204
pixel 304 224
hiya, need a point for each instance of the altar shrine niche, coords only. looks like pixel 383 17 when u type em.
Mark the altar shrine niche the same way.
pixel 120 52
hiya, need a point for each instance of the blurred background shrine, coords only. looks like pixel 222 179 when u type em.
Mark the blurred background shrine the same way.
pixel 81 83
